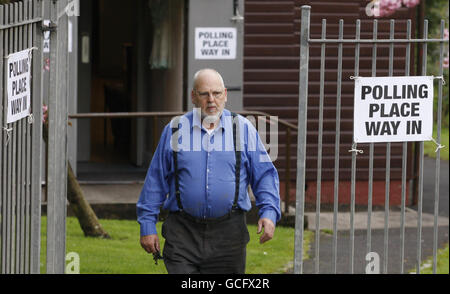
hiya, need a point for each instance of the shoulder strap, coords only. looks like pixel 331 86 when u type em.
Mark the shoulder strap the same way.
pixel 237 153
pixel 175 164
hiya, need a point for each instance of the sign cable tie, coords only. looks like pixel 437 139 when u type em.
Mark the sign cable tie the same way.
pixel 8 134
pixel 439 146
pixel 440 78
pixel 355 150
pixel 30 119
pixel 30 51
pixel 354 77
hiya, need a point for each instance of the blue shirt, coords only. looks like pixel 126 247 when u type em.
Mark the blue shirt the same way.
pixel 206 170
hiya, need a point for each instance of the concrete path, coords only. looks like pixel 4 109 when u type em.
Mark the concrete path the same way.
pixel 360 250
pixel 112 194
pixel 343 264
pixel 377 220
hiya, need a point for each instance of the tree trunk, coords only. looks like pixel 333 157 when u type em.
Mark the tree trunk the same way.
pixel 86 216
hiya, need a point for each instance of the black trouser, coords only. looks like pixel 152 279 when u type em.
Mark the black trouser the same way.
pixel 205 247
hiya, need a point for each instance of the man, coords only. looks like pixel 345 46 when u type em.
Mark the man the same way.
pixel 206 186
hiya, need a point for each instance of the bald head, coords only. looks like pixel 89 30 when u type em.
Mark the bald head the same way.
pixel 209 93
pixel 206 73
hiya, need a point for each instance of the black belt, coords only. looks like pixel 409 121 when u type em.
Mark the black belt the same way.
pixel 207 221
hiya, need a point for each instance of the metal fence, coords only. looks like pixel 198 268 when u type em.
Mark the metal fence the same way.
pixel 20 146
pixel 331 263
pixel 57 135
pixel 22 27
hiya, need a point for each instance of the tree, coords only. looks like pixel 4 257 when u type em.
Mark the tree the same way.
pixel 85 214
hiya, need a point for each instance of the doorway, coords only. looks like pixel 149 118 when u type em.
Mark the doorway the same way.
pixel 121 74
pixel 113 73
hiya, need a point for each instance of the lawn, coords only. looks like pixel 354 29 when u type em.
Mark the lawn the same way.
pixel 442 263
pixel 122 254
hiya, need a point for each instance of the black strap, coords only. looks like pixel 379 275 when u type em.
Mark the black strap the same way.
pixel 237 153
pixel 237 170
pixel 175 166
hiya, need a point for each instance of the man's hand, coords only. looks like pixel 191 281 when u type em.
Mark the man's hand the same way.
pixel 269 229
pixel 150 243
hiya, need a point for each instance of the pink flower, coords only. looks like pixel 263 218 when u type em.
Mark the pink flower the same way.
pixel 45 113
pixel 411 3
pixel 388 7
pixel 446 34
pixel 445 63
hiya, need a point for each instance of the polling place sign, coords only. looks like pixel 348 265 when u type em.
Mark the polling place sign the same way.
pixel 18 83
pixel 215 43
pixel 393 109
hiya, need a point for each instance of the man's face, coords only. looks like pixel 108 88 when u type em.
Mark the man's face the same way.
pixel 209 95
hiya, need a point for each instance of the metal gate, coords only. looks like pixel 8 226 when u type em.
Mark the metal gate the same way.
pixel 21 28
pixel 331 262
pixel 20 147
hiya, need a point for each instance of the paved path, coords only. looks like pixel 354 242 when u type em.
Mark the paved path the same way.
pixel 394 249
pixel 377 235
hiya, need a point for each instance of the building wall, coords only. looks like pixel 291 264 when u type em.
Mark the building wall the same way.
pixel 271 75
pixel 217 14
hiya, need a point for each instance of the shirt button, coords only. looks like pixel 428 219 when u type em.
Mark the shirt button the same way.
pixel 206 187
pixel 207 170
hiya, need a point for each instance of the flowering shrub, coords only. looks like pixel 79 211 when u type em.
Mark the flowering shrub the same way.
pixel 445 63
pixel 388 7
pixel 44 113
pixel 410 3
pixel 383 8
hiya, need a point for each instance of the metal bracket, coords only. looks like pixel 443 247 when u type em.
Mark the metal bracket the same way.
pixel 51 26
pixel 236 16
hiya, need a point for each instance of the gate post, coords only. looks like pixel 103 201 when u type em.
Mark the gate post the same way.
pixel 301 139
pixel 36 190
pixel 57 141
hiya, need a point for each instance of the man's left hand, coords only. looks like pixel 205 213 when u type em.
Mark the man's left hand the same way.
pixel 269 229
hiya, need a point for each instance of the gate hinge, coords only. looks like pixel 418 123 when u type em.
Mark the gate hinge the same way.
pixel 49 26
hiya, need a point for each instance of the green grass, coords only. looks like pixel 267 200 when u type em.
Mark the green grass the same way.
pixel 442 263
pixel 327 231
pixel 122 254
pixel 430 146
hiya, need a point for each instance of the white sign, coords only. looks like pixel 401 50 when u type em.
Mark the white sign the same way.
pixel 70 36
pixel 46 45
pixel 19 83
pixel 215 43
pixel 393 109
